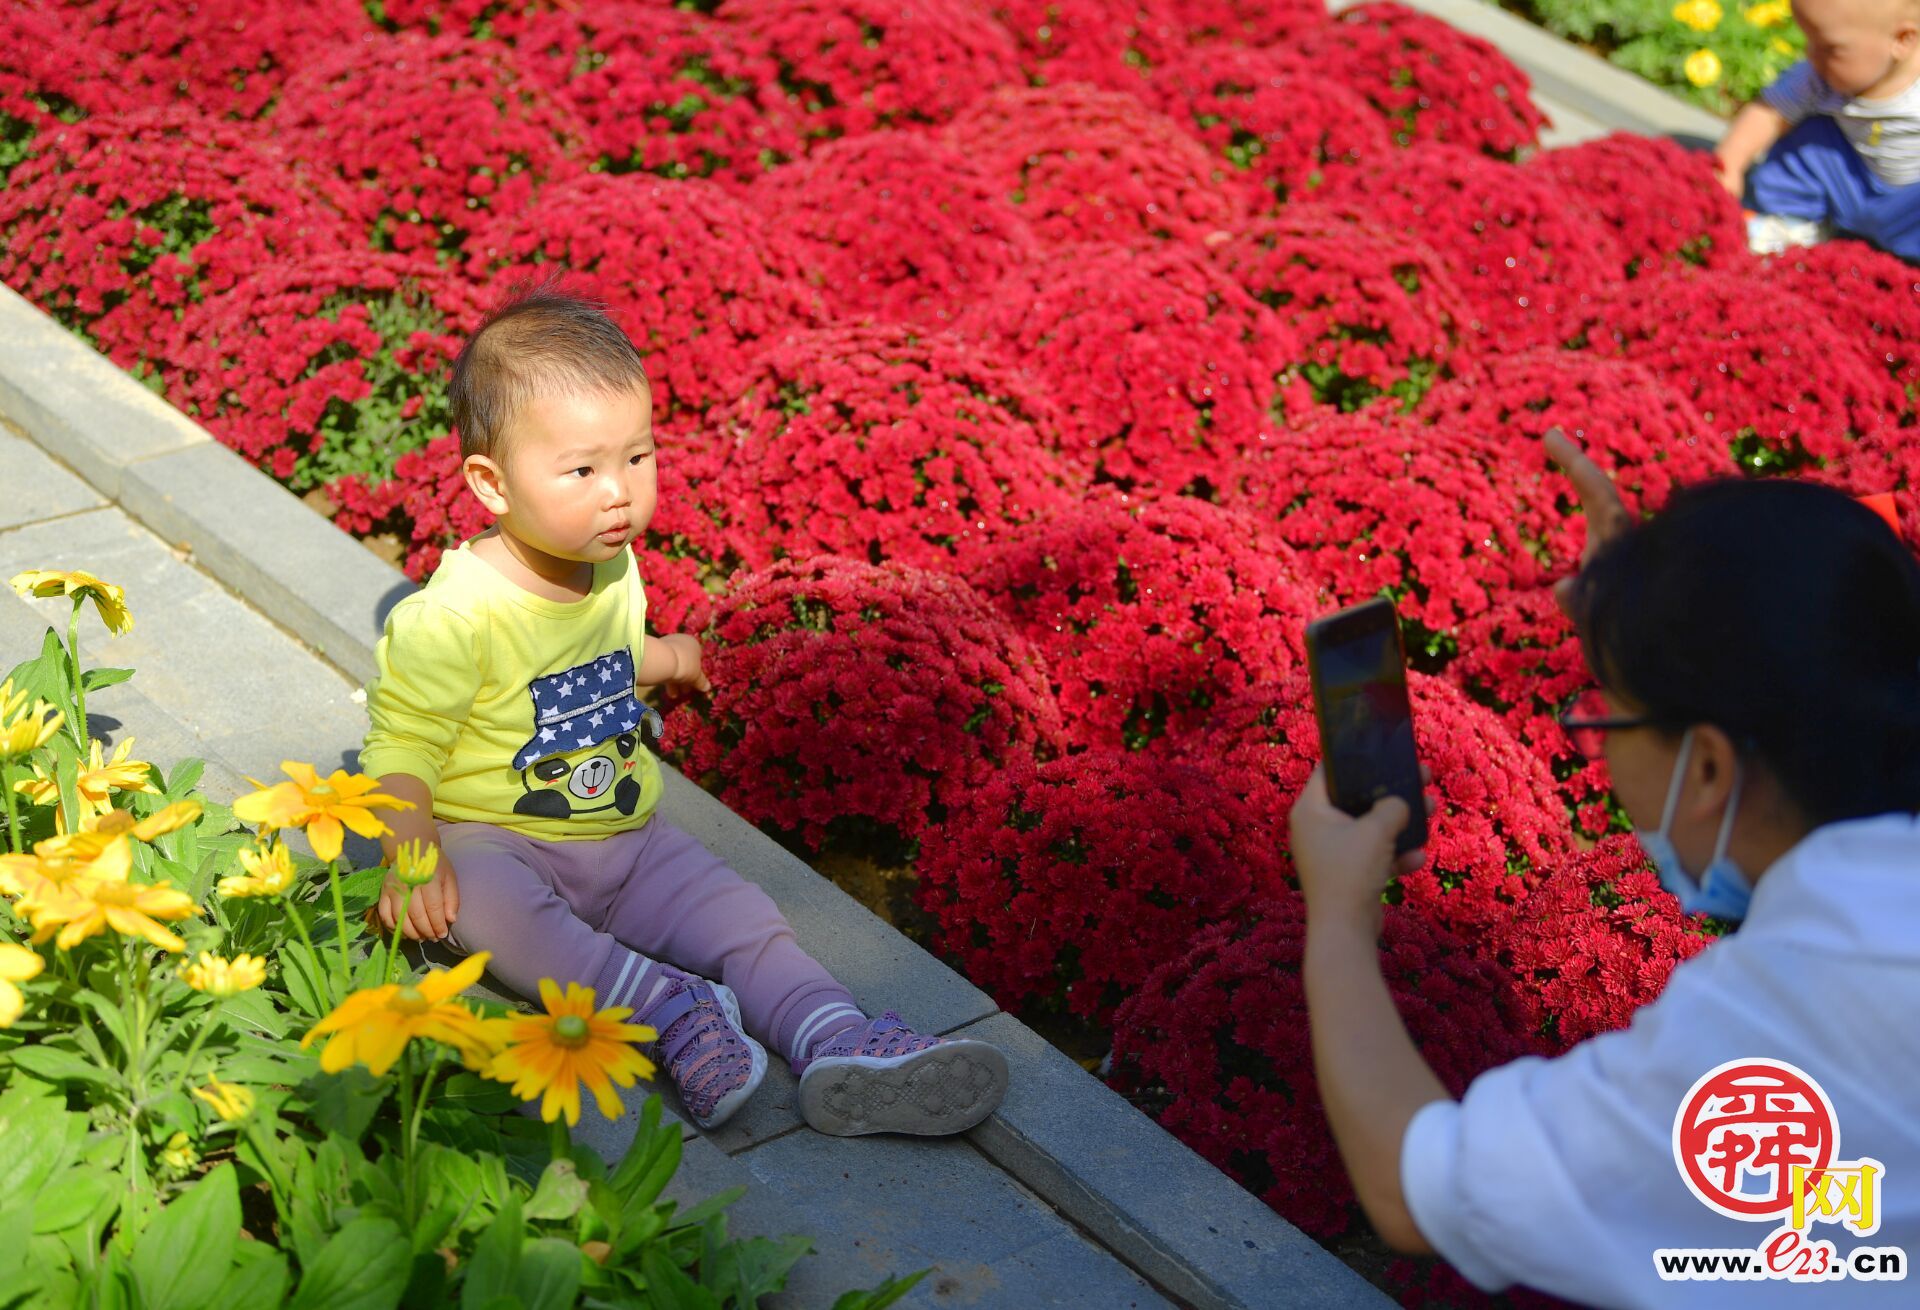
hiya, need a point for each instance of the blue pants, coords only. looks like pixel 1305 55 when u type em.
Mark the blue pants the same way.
pixel 1814 172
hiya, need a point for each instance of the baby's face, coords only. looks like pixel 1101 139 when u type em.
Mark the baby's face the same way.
pixel 579 473
pixel 1857 45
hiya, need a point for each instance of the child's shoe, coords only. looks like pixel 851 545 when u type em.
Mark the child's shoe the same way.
pixel 703 1048
pixel 886 1078
pixel 1769 234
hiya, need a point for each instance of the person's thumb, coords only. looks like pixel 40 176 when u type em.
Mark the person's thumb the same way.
pixel 1387 817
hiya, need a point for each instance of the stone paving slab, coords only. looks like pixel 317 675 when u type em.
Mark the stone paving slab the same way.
pixel 36 487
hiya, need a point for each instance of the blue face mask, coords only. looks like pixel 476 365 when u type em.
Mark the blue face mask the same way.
pixel 1723 890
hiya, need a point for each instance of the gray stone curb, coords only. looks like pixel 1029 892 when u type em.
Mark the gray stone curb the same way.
pixel 1584 82
pixel 260 542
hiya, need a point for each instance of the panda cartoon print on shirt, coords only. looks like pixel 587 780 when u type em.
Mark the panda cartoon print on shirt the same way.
pixel 586 743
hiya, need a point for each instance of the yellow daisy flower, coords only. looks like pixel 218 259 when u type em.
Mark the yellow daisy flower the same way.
pixel 1770 14
pixel 549 1055
pixel 17 964
pixel 374 1025
pixel 179 1154
pixel 323 806
pixel 1702 68
pixel 222 977
pixel 414 862
pixel 269 872
pixel 110 600
pixel 231 1102
pixel 23 731
pixel 98 831
pixel 1700 15
pixel 98 780
pixel 101 897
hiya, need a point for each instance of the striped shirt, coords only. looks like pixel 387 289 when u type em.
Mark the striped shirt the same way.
pixel 1885 133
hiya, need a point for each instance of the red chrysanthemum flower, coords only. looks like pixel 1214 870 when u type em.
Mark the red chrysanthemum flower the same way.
pixel 1662 202
pixel 1246 22
pixel 1117 44
pixel 1083 164
pixel 1870 295
pixel 897 226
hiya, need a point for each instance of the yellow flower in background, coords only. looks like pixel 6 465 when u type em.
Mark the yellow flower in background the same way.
pixel 230 1102
pixel 22 730
pixel 110 600
pixel 549 1055
pixel 1779 46
pixel 17 964
pixel 1700 15
pixel 269 872
pixel 98 896
pixel 1770 14
pixel 55 866
pixel 179 1154
pixel 1702 68
pixel 217 976
pixel 98 831
pixel 374 1025
pixel 323 806
pixel 414 862
pixel 98 780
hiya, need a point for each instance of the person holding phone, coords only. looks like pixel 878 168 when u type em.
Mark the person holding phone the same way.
pixel 1757 653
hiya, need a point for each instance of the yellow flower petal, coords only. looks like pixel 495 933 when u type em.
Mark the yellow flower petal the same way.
pixel 107 598
pixel 17 963
pixel 1702 68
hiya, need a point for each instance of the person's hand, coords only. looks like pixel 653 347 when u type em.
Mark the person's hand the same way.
pixel 687 671
pixel 434 907
pixel 1731 178
pixel 1343 862
pixel 1607 515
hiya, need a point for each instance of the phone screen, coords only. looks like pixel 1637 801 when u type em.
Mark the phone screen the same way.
pixel 1366 720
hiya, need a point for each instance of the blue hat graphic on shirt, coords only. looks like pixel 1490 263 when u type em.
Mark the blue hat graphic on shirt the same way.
pixel 583 706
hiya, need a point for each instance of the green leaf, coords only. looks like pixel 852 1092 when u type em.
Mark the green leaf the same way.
pixel 74 1197
pixel 496 1257
pixel 669 1285
pixel 259 1277
pixel 364 1266
pixel 109 1013
pixel 549 1276
pixel 184 1252
pixel 345 1102
pixel 47 676
pixel 34 1127
pixel 94 679
pixel 56 1065
pixel 882 1296
pixel 304 975
pixel 745 1271
pixel 561 1193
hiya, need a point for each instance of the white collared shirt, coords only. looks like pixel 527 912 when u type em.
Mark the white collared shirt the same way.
pixel 1560 1174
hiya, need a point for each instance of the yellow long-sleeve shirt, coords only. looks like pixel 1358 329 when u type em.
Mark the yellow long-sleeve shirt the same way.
pixel 517 710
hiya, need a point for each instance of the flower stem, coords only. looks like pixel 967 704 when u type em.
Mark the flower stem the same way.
pixel 406 1134
pixel 13 809
pixel 559 1140
pixel 193 1048
pixel 340 926
pixel 399 925
pixel 79 684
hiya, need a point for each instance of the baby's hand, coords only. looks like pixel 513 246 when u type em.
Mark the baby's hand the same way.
pixel 687 671
pixel 434 907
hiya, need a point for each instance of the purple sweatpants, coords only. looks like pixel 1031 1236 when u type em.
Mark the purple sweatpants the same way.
pixel 601 913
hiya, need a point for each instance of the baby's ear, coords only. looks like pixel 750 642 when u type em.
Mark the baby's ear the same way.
pixel 487 481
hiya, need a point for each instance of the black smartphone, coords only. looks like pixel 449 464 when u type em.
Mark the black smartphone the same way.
pixel 1366 721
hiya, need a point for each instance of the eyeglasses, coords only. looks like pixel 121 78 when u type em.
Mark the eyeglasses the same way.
pixel 1589 719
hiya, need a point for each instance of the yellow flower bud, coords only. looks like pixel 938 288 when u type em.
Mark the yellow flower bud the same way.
pixel 414 862
pixel 230 1102
pixel 269 872
pixel 221 977
pixel 1703 68
pixel 179 1154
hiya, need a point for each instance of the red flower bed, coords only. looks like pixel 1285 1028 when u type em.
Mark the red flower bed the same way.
pixel 852 66
pixel 1885 463
pixel 1773 376
pixel 1661 201
pixel 52 74
pixel 1435 82
pixel 323 368
pixel 1216 1044
pixel 1164 370
pixel 1871 296
pixel 224 57
pixel 1066 883
pixel 118 221
pixel 1440 518
pixel 1249 22
pixel 857 704
pixel 1526 261
pixel 664 91
pixel 1091 165
pixel 1285 125
pixel 1498 807
pixel 1113 44
pixel 699 279
pixel 1148 615
pixel 434 134
pixel 1379 313
pixel 897 226
pixel 885 443
pixel 1587 941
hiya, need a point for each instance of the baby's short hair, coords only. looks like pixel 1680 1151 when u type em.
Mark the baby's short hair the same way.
pixel 540 341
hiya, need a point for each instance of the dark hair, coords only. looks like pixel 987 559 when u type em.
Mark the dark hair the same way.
pixel 1785 614
pixel 541 340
